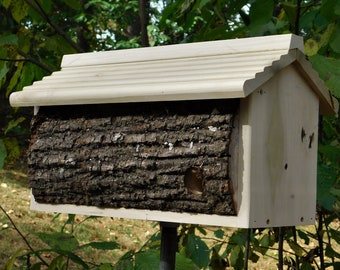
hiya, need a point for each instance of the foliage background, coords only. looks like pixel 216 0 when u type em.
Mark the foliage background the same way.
pixel 35 34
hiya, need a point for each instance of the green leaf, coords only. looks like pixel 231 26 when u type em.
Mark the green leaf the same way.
pixel 219 233
pixel 19 10
pixel 58 45
pixel 10 263
pixel 311 47
pixel 3 154
pixel 337 9
pixel 264 243
pixel 335 235
pixel 314 44
pixel 335 43
pixel 184 263
pixel 307 20
pixel 198 251
pixel 290 10
pixel 335 265
pixel 74 4
pixel 306 266
pixel 331 152
pixel 14 79
pixel 327 9
pixel 25 40
pixel 335 192
pixel 253 256
pixel 69 221
pixel 170 10
pixel 9 40
pixel 237 258
pixel 46 5
pixel 216 260
pixel 298 250
pixel 261 12
pixel 35 16
pixel 303 236
pixel 102 245
pixel 6 3
pixel 24 76
pixel 147 260
pixel 13 149
pixel 57 263
pixel 201 230
pixel 59 241
pixel 326 180
pixel 202 3
pixel 329 71
pixel 76 259
pixel 331 253
pixel 106 266
pixel 3 70
pixel 125 262
pixel 186 5
pixel 238 238
pixel 14 123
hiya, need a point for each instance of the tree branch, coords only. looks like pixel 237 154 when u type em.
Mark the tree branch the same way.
pixel 37 7
pixel 29 58
pixel 13 60
pixel 320 240
pixel 144 20
pixel 297 18
pixel 280 251
pixel 23 237
pixel 247 250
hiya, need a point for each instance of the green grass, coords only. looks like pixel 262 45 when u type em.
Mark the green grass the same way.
pixel 15 199
pixel 129 234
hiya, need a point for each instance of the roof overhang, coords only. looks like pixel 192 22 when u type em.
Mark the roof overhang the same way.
pixel 205 70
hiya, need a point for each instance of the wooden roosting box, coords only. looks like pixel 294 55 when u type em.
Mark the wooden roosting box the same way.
pixel 218 133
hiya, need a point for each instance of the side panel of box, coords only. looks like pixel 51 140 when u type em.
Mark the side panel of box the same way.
pixel 283 118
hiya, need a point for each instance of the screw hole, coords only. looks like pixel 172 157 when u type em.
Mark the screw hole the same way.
pixel 302 219
pixel 311 139
pixel 268 221
pixel 303 134
pixel 286 166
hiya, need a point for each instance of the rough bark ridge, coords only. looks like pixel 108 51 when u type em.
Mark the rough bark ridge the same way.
pixel 146 156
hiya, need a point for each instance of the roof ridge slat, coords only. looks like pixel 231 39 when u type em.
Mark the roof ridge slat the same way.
pixel 207 48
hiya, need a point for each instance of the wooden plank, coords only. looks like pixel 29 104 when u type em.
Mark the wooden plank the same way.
pixel 151 215
pixel 283 162
pixel 200 49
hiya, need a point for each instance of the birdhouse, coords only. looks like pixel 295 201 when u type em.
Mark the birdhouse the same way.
pixel 216 133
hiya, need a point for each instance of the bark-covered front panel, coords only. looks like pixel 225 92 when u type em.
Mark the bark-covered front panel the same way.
pixel 170 156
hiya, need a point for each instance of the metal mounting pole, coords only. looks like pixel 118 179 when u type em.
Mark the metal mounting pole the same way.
pixel 169 245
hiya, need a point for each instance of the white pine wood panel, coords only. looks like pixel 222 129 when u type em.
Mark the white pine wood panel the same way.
pixel 197 69
pixel 283 165
pixel 149 92
pixel 202 219
pixel 225 69
pixel 200 49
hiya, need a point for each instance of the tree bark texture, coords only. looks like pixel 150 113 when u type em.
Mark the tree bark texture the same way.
pixel 136 155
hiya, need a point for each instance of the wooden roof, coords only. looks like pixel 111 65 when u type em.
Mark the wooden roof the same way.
pixel 204 70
